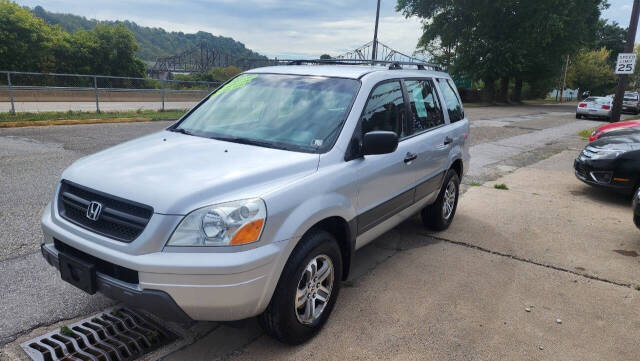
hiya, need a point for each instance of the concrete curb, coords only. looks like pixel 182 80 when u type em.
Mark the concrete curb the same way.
pixel 41 123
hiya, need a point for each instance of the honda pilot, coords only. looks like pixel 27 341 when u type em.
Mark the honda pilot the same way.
pixel 256 200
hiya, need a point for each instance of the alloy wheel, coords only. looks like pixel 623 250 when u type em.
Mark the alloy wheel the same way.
pixel 449 200
pixel 314 289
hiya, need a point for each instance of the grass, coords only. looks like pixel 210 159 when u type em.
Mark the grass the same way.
pixel 79 115
pixel 66 331
pixel 501 186
pixel 586 133
pixel 475 184
pixel 637 288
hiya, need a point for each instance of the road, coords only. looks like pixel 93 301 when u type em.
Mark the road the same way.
pixel 459 294
pixel 34 107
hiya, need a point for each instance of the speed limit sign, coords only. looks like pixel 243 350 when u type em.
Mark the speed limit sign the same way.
pixel 626 63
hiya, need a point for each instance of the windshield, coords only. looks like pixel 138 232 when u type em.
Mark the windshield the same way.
pixel 300 113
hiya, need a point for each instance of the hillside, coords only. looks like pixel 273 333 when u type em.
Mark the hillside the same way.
pixel 154 42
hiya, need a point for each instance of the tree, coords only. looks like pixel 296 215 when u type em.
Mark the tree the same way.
pixel 590 70
pixel 634 80
pixel 28 43
pixel 106 50
pixel 612 37
pixel 325 57
pixel 505 39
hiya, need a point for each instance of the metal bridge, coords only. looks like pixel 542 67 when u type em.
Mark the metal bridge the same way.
pixel 383 53
pixel 202 58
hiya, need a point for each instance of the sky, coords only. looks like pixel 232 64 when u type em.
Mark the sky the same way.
pixel 276 28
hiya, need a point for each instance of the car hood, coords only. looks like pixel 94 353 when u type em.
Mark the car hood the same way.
pixel 177 173
pixel 626 142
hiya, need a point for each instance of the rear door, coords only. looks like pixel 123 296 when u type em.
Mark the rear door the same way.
pixel 428 127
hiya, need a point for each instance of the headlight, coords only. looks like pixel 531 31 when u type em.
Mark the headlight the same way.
pixel 608 154
pixel 224 224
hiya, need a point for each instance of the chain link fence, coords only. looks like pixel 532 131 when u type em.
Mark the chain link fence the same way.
pixel 37 92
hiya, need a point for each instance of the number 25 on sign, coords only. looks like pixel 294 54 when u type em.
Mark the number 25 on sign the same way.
pixel 626 63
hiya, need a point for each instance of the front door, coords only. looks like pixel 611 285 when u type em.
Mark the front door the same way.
pixel 385 182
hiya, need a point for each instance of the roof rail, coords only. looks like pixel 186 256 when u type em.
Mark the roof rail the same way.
pixel 392 65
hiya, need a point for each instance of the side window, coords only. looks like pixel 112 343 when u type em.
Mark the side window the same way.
pixel 385 109
pixel 425 105
pixel 450 95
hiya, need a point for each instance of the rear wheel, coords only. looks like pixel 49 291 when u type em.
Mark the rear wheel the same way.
pixel 578 116
pixel 439 215
pixel 307 290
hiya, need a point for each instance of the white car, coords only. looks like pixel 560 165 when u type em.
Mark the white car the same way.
pixel 595 107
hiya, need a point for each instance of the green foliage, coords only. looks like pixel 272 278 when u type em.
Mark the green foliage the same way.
pixel 501 186
pixel 585 133
pixel 66 331
pixel 325 57
pixel 107 50
pixel 153 42
pixel 217 74
pixel 169 114
pixel 612 37
pixel 590 70
pixel 504 39
pixel 30 44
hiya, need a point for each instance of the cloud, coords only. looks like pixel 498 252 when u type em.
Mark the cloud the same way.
pixel 274 27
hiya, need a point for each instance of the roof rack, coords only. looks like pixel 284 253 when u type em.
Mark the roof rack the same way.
pixel 392 65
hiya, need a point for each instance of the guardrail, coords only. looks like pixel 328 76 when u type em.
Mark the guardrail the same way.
pixel 24 87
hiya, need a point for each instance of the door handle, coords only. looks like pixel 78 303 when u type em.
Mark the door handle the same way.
pixel 448 140
pixel 410 157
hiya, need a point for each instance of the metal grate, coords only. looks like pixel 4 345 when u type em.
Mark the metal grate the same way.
pixel 119 219
pixel 118 334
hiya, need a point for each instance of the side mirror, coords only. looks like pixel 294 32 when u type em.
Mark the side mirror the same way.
pixel 379 142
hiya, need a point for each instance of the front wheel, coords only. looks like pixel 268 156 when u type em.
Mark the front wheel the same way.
pixel 307 290
pixel 439 215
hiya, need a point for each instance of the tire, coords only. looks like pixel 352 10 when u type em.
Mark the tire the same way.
pixel 435 216
pixel 578 116
pixel 282 320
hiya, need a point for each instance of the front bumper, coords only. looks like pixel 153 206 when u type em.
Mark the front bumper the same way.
pixel 157 302
pixel 596 175
pixel 203 286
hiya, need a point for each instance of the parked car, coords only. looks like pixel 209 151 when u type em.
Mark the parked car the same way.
pixel 631 103
pixel 636 209
pixel 254 202
pixel 613 129
pixel 595 107
pixel 611 162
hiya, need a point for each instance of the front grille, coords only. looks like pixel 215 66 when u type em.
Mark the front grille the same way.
pixel 113 270
pixel 120 219
pixel 580 170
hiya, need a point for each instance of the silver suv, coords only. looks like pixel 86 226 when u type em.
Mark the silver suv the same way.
pixel 255 201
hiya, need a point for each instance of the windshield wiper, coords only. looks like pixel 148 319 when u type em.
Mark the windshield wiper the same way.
pixel 181 130
pixel 260 143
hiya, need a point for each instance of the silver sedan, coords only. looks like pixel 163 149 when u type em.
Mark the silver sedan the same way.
pixel 596 107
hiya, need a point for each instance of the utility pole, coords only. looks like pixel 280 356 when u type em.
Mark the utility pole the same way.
pixel 374 50
pixel 563 83
pixel 628 48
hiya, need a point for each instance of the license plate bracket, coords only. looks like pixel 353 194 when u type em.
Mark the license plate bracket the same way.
pixel 77 272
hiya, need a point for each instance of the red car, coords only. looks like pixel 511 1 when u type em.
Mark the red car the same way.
pixel 614 127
